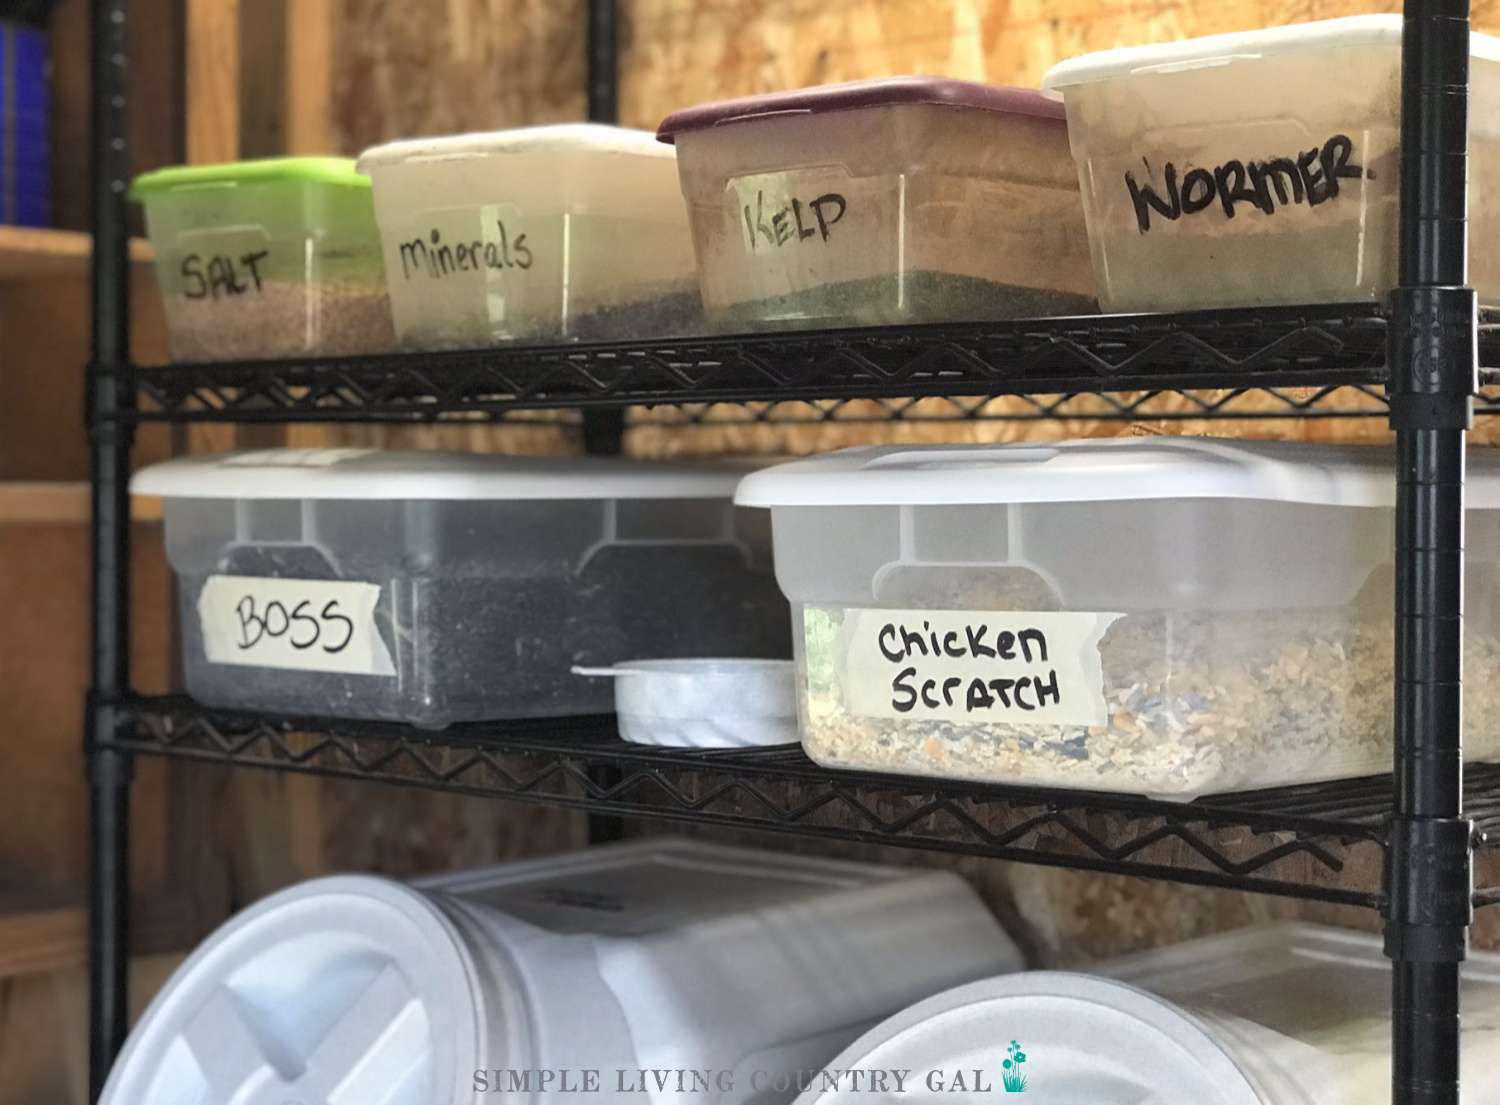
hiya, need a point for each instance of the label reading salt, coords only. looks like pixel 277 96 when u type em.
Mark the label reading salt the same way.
pixel 222 265
pixel 300 624
pixel 973 666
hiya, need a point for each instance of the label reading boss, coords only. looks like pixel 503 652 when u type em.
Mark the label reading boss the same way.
pixel 300 624
pixel 974 666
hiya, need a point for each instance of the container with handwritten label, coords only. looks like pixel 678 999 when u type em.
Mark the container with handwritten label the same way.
pixel 1170 616
pixel 266 259
pixel 903 200
pixel 570 231
pixel 433 587
pixel 1260 167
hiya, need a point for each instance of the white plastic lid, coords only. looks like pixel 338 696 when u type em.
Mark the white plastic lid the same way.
pixel 1099 470
pixel 344 989
pixel 390 474
pixel 560 138
pixel 1083 1039
pixel 1350 32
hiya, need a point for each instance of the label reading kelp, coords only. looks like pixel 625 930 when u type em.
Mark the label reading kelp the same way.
pixel 784 210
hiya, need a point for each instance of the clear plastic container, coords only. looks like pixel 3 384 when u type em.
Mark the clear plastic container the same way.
pixel 266 259
pixel 437 587
pixel 1261 167
pixel 569 231
pixel 1281 1014
pixel 910 199
pixel 656 955
pixel 1169 616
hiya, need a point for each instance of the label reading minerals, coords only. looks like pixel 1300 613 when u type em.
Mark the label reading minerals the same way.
pixel 300 624
pixel 969 666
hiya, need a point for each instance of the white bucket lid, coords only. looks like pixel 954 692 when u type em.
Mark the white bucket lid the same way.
pixel 351 984
pixel 391 474
pixel 559 138
pixel 1349 32
pixel 1099 470
pixel 1084 1039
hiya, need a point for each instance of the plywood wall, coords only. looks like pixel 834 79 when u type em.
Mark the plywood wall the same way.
pixel 413 67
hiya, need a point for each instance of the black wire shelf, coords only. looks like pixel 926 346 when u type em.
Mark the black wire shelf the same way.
pixel 1322 842
pixel 1299 361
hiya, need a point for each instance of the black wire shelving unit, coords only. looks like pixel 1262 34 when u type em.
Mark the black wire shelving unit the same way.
pixel 1402 844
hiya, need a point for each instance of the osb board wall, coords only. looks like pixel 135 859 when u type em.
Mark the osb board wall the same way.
pixel 413 67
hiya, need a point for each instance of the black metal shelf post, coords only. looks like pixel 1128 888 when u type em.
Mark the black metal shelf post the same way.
pixel 1434 375
pixel 109 768
pixel 604 429
pixel 1416 358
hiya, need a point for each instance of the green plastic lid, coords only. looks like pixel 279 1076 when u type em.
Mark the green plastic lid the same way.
pixel 272 170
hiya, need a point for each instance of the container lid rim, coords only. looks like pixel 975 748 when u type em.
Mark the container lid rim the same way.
pixel 599 139
pixel 1099 470
pixel 854 95
pixel 417 475
pixel 336 171
pixel 1320 35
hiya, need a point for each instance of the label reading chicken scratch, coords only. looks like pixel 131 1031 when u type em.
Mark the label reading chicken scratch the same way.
pixel 968 666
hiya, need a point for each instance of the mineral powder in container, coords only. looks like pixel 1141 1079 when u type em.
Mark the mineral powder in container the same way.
pixel 572 231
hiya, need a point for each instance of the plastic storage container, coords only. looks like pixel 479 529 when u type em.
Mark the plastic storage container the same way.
pixel 1261 167
pixel 571 231
pixel 265 259
pixel 1274 1015
pixel 910 199
pixel 704 703
pixel 1163 615
pixel 438 587
pixel 665 955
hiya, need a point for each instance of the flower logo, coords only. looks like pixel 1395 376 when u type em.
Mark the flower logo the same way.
pixel 1011 1074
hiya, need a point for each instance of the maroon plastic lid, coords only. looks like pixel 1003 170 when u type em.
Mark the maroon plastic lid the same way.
pixel 882 92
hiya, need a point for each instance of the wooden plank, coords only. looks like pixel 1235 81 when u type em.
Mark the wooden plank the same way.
pixel 44 345
pixel 156 87
pixel 68 1023
pixel 411 67
pixel 27 252
pixel 213 81
pixel 264 62
pixel 42 942
pixel 51 937
pixel 309 77
pixel 44 670
pixel 60 502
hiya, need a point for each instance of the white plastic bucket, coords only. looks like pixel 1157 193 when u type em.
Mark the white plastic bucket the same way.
pixel 670 955
pixel 1282 1014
